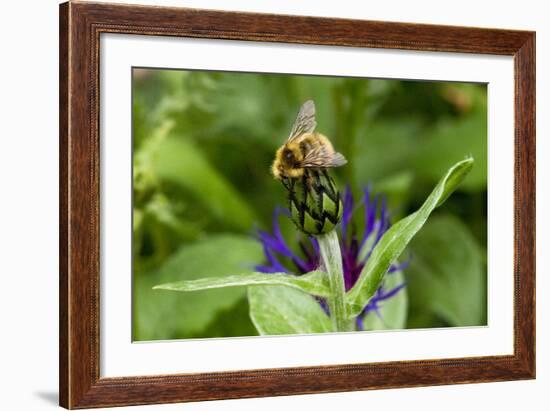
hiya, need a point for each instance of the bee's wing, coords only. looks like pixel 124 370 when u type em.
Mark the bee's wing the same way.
pixel 305 121
pixel 338 160
pixel 320 157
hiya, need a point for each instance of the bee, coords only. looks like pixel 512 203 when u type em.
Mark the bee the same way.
pixel 305 149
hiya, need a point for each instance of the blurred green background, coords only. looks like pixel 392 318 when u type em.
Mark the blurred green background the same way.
pixel 203 143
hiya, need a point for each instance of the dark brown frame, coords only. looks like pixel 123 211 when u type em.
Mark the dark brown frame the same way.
pixel 80 27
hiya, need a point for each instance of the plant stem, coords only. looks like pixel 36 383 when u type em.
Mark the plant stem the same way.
pixel 332 260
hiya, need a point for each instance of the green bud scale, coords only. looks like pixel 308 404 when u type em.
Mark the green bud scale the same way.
pixel 314 202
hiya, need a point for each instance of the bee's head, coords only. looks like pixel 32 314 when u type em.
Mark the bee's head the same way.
pixel 288 155
pixel 291 156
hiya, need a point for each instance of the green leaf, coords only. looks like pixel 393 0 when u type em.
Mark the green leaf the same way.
pixel 446 278
pixel 314 282
pixel 393 312
pixel 394 241
pixel 234 321
pixel 163 315
pixel 184 163
pixel 277 310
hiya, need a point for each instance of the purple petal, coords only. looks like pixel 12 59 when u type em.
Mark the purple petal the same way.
pixel 392 292
pixel 382 225
pixel 274 262
pixel 312 258
pixel 347 212
pixel 400 267
pixel 324 305
pixel 349 263
pixel 276 242
pixel 380 296
pixel 266 269
pixel 359 322
pixel 273 243
pixel 377 312
pixel 371 306
pixel 279 236
pixel 315 244
pixel 370 214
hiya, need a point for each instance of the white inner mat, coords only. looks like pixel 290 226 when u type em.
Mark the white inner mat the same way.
pixel 121 357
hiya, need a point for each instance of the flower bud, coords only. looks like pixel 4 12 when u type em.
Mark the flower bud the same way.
pixel 314 202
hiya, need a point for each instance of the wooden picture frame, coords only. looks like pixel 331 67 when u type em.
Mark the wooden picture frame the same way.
pixel 80 27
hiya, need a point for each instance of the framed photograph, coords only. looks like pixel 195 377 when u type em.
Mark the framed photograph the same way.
pixel 259 205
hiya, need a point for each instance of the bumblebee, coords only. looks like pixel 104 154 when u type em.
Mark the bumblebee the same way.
pixel 305 149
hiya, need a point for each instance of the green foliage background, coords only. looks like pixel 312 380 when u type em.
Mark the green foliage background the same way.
pixel 203 143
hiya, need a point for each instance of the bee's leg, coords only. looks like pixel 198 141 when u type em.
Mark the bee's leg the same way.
pixel 285 183
pixel 305 183
pixel 307 180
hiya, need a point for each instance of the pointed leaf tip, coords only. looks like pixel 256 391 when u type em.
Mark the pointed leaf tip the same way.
pixel 394 241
